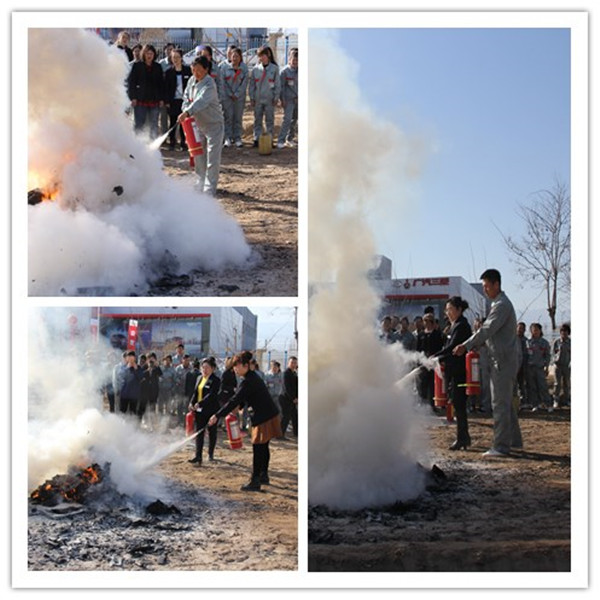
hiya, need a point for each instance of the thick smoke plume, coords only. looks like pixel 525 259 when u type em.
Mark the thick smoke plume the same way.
pixel 67 424
pixel 362 434
pixel 116 219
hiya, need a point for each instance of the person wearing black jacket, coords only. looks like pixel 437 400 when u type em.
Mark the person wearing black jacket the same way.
pixel 146 90
pixel 264 418
pixel 455 369
pixel 429 341
pixel 228 382
pixel 289 398
pixel 205 403
pixel 129 392
pixel 149 387
pixel 176 80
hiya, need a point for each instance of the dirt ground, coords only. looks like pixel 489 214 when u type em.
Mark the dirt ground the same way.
pixel 261 192
pixel 215 526
pixel 510 514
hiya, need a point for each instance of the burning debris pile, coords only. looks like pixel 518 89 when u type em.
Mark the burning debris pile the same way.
pixel 101 209
pixel 70 487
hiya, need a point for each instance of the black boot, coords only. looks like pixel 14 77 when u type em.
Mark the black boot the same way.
pixel 252 486
pixel 264 478
pixel 195 460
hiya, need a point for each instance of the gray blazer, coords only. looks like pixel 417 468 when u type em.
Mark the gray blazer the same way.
pixel 499 334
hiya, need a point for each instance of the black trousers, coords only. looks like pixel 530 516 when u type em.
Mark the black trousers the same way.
pixel 128 405
pixel 201 422
pixel 261 455
pixel 289 412
pixel 459 401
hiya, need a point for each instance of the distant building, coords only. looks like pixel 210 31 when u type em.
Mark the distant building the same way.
pixel 410 296
pixel 218 331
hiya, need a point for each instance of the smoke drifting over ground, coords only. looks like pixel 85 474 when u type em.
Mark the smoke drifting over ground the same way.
pixel 67 426
pixel 361 422
pixel 116 219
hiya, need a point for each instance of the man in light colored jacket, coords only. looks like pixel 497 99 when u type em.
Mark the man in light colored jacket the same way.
pixel 499 334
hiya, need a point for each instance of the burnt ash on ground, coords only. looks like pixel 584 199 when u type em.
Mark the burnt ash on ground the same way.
pixel 111 531
pixel 509 514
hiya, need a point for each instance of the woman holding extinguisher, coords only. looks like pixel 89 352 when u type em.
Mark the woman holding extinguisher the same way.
pixel 264 418
pixel 455 369
pixel 201 101
pixel 205 403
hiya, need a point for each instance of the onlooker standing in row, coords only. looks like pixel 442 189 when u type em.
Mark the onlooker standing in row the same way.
pixel 405 337
pixel 562 366
pixel 289 100
pixel 264 90
pixel 429 341
pixel 274 381
pixel 129 393
pixel 233 82
pixel 522 374
pixel 123 44
pixel 145 86
pixel 538 350
pixel 290 397
pixel 176 80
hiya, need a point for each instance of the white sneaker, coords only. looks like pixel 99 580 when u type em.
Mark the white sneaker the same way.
pixel 493 453
pixel 239 143
pixel 291 144
pixel 227 143
pixel 280 145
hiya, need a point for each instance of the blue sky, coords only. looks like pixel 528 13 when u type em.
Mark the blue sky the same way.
pixel 492 108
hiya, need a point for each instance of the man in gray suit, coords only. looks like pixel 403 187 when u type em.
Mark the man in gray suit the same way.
pixel 499 334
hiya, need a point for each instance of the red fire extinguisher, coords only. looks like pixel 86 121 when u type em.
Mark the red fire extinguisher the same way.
pixel 233 431
pixel 192 138
pixel 190 422
pixel 473 373
pixel 440 391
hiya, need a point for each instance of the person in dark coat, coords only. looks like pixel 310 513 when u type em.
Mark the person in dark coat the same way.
pixel 455 369
pixel 228 382
pixel 429 341
pixel 129 393
pixel 149 388
pixel 289 398
pixel 146 89
pixel 264 418
pixel 176 80
pixel 205 403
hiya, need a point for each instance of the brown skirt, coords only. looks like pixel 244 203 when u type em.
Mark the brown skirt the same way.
pixel 261 434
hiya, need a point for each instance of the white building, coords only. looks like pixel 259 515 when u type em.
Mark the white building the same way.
pixel 411 295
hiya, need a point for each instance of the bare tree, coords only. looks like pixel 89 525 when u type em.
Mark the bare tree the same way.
pixel 543 252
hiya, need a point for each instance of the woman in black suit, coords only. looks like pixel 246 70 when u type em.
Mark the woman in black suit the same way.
pixel 205 403
pixel 264 417
pixel 455 369
pixel 145 86
pixel 176 79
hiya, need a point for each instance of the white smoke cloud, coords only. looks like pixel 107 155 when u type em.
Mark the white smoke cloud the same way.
pixel 116 211
pixel 363 437
pixel 67 425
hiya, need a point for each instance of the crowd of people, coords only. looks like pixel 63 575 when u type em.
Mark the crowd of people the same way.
pixel 513 369
pixel 149 390
pixel 158 86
